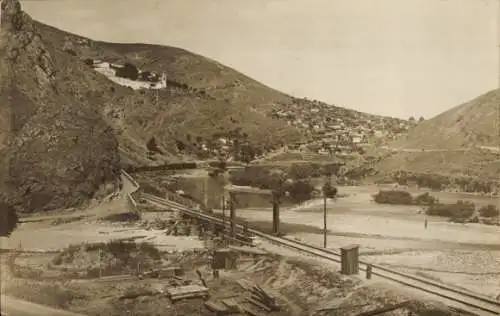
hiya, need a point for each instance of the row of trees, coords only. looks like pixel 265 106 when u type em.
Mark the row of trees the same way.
pixel 240 146
pixel 403 198
pixel 296 190
pixel 456 211
pixel 440 182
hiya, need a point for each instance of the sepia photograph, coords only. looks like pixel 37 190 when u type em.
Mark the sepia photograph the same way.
pixel 249 158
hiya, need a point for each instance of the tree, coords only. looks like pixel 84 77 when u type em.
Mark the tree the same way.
pixel 329 190
pixel 488 211
pixel 8 219
pixel 128 71
pixel 421 119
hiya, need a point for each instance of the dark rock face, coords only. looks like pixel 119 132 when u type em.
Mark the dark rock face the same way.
pixel 12 15
pixel 58 150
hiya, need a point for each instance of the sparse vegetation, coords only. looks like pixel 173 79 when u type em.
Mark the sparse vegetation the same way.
pixel 458 211
pixel 488 211
pixel 439 182
pixel 298 190
pixel 393 197
pixel 128 71
pixel 8 219
pixel 123 217
pixel 114 257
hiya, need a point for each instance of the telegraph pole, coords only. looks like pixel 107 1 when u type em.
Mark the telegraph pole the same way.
pixel 324 218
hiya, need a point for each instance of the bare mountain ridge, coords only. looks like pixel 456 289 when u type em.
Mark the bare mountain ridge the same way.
pixel 461 141
pixel 471 124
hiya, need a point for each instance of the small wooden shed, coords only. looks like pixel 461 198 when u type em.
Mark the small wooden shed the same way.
pixel 349 259
pixel 224 259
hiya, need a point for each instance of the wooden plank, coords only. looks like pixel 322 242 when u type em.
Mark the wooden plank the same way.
pixel 384 309
pixel 180 290
pixel 250 312
pixel 215 306
pixel 187 296
pixel 259 304
pixel 249 250
pixel 230 303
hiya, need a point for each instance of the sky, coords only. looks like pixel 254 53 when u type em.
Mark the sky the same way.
pixel 391 57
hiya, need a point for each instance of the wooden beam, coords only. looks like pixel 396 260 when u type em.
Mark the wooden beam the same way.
pixel 384 309
pixel 243 189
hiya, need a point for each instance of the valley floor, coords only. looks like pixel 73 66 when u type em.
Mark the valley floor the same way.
pixel 306 285
pixel 467 255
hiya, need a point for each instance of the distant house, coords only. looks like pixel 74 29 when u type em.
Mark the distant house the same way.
pixel 357 139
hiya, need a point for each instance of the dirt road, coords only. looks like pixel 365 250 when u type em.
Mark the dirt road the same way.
pixel 16 307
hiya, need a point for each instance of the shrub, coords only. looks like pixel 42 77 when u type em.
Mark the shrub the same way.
pixel 424 199
pixel 300 191
pixel 300 171
pixel 393 197
pixel 128 71
pixel 488 211
pixel 8 219
pixel 459 210
pixel 329 190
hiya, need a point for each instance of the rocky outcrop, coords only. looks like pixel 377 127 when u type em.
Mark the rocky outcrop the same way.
pixel 59 150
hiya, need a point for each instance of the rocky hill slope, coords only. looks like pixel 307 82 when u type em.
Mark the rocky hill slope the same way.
pixel 57 149
pixel 463 140
pixel 472 124
pixel 203 101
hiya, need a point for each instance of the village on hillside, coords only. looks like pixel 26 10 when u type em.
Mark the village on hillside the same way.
pixel 333 129
pixel 330 129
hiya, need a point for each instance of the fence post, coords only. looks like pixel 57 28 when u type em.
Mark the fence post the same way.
pixel 368 271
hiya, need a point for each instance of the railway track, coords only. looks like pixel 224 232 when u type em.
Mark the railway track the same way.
pixel 468 301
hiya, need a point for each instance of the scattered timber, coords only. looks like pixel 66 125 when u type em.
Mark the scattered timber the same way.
pixel 186 292
pixel 384 309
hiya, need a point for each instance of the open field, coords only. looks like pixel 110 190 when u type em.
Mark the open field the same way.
pixel 467 255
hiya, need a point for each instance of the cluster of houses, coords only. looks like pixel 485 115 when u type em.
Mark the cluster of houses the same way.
pixel 333 129
pixel 145 79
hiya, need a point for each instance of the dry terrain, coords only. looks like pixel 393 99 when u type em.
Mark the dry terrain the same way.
pixel 66 264
pixel 467 255
pixel 462 140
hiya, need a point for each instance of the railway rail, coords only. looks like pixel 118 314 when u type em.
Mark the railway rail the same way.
pixel 468 301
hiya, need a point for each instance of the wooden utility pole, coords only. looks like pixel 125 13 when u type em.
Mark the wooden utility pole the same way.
pixel 324 218
pixel 232 215
pixel 205 192
pixel 276 213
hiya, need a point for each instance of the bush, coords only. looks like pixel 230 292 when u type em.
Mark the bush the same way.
pixel 300 191
pixel 329 190
pixel 301 171
pixel 393 197
pixel 258 177
pixel 459 210
pixel 424 199
pixel 128 71
pixel 488 211
pixel 8 219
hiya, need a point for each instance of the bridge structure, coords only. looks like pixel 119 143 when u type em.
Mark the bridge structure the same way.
pixel 230 190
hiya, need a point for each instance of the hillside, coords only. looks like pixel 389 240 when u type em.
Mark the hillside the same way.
pixel 203 101
pixel 57 149
pixel 463 140
pixel 472 124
